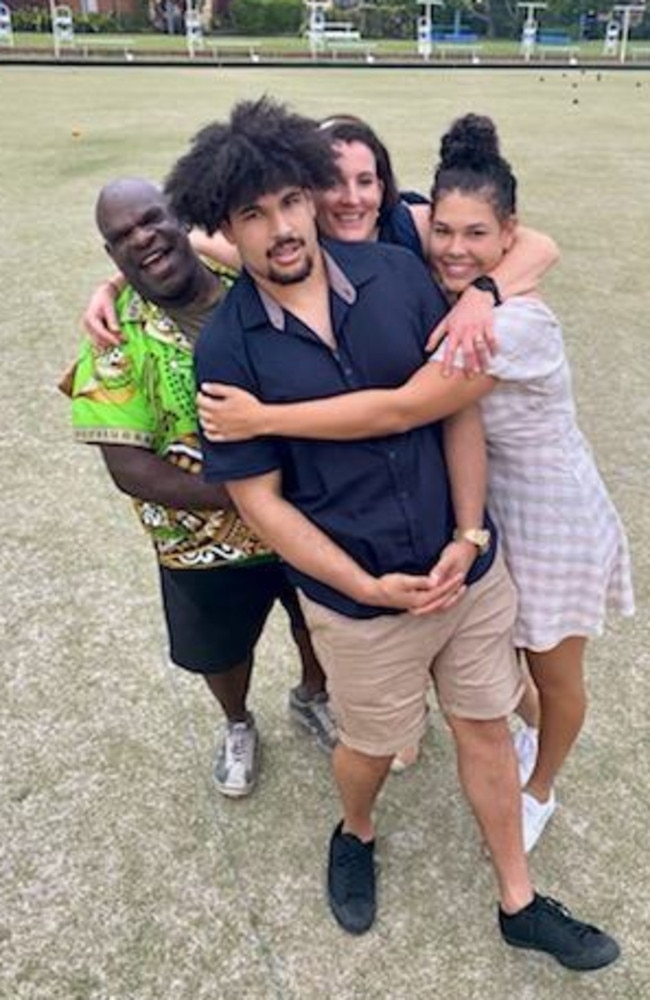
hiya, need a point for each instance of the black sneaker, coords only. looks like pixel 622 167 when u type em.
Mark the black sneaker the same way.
pixel 351 881
pixel 546 925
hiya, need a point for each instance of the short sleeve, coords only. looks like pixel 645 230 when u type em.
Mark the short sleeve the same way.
pixel 529 343
pixel 108 402
pixel 220 356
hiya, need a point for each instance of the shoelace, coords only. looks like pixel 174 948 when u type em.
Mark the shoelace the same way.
pixel 358 866
pixel 237 745
pixel 580 929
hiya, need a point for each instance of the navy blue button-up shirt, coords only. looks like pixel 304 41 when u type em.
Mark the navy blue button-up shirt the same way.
pixel 385 501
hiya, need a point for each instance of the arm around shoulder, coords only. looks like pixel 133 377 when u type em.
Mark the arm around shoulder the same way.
pixel 216 247
pixel 529 259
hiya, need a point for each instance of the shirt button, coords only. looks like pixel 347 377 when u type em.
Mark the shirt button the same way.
pixel 392 455
pixel 347 371
pixel 404 494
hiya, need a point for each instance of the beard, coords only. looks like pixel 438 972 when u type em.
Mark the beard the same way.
pixel 294 277
pixel 302 270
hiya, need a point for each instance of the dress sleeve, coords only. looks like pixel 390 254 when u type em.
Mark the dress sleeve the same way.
pixel 529 343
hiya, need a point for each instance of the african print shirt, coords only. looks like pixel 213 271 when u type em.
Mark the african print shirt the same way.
pixel 142 393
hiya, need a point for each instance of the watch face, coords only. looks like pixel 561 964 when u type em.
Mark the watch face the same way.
pixel 480 537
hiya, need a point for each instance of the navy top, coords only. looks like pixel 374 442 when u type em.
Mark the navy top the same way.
pixel 396 225
pixel 384 501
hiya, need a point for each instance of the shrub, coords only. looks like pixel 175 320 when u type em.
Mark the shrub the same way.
pixel 267 17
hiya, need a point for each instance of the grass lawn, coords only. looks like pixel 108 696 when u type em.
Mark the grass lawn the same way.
pixel 122 877
pixel 574 136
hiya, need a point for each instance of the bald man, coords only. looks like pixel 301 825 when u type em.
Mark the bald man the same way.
pixel 136 402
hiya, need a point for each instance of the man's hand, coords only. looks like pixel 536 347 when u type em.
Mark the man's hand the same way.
pixel 227 413
pixel 469 326
pixel 400 591
pixel 100 318
pixel 448 578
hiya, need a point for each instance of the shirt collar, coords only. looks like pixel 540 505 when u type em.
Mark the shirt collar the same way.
pixel 263 308
pixel 154 322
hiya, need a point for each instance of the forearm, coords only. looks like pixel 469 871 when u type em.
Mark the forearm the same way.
pixel 425 398
pixel 146 476
pixel 532 254
pixel 464 444
pixel 300 543
pixel 369 413
pixel 216 247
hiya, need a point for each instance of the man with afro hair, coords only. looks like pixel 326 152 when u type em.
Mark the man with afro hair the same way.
pixel 369 529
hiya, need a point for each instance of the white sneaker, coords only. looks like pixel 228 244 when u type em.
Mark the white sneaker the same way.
pixel 238 761
pixel 405 758
pixel 535 816
pixel 525 742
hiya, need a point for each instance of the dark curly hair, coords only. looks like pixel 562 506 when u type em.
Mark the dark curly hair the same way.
pixel 471 161
pixel 349 128
pixel 262 148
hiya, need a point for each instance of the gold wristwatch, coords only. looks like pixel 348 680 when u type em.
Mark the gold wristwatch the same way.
pixel 480 537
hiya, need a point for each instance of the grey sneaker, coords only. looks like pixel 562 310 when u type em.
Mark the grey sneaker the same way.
pixel 315 716
pixel 238 761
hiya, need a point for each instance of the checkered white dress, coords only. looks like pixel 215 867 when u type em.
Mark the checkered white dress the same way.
pixel 561 536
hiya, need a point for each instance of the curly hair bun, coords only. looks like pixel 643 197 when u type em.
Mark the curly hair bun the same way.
pixel 471 143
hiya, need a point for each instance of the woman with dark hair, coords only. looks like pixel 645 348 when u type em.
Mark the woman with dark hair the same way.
pixel 366 204
pixel 562 538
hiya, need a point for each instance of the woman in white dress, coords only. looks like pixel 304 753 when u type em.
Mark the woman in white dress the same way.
pixel 561 535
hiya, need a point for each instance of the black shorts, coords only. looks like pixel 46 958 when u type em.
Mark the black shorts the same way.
pixel 215 616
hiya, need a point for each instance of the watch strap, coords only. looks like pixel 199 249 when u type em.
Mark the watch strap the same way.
pixel 485 283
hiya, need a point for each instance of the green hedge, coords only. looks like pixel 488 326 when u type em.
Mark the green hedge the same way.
pixel 287 17
pixel 267 17
pixel 38 19
pixel 390 20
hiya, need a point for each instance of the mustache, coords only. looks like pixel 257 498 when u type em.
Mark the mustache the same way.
pixel 285 241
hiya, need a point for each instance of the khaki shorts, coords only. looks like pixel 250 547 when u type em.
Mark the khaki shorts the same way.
pixel 379 669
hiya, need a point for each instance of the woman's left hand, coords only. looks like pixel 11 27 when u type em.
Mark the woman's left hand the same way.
pixel 469 326
pixel 227 413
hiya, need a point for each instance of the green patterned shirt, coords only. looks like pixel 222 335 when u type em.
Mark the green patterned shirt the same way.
pixel 142 393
